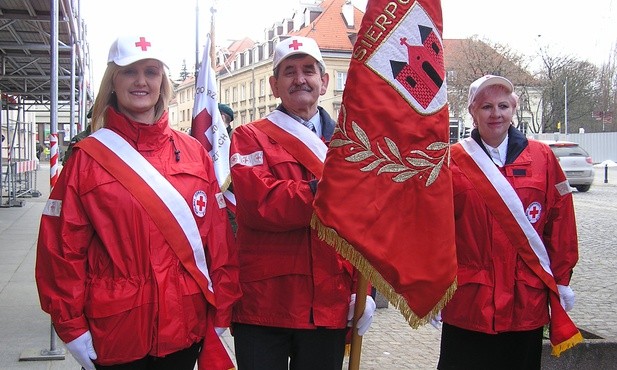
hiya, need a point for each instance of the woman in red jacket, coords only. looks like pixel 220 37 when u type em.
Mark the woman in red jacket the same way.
pixel 515 232
pixel 135 259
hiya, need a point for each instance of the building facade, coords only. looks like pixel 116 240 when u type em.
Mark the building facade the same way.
pixel 244 67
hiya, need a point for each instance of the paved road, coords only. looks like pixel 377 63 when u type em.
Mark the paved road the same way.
pixel 390 344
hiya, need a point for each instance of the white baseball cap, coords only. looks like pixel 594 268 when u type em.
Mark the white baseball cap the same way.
pixel 485 81
pixel 130 49
pixel 297 45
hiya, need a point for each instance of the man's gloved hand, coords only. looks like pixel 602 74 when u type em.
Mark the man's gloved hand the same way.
pixel 566 297
pixel 82 350
pixel 219 331
pixel 436 321
pixel 367 317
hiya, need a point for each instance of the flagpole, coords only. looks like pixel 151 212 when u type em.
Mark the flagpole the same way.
pixel 196 37
pixel 212 41
pixel 356 340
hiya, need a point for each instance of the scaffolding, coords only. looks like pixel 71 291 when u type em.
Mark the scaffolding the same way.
pixel 18 161
pixel 44 70
pixel 44 67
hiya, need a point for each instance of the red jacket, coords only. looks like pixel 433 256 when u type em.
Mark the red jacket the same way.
pixel 289 277
pixel 497 292
pixel 102 264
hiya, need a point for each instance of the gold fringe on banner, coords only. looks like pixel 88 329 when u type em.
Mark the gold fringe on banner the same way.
pixel 343 247
pixel 558 349
pixel 226 183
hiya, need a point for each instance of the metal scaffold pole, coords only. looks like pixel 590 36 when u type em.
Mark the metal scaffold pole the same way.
pixel 53 353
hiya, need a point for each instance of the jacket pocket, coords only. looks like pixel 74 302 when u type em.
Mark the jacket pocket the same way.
pixel 107 297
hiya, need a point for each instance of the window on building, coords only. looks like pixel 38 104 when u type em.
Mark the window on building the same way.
pixel 242 92
pixel 226 95
pixel 337 110
pixel 262 87
pixel 341 78
pixel 251 88
pixel 234 94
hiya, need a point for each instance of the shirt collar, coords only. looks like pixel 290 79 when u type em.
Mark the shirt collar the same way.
pixel 498 154
pixel 315 120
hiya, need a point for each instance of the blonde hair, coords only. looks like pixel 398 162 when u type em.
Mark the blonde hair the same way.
pixel 106 96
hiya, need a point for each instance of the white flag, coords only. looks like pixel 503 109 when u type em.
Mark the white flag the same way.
pixel 208 126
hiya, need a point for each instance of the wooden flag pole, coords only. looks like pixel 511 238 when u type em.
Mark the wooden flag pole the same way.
pixel 356 340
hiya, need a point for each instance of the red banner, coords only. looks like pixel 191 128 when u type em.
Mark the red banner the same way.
pixel 385 199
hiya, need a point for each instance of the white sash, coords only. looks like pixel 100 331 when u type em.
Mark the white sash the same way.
pixel 165 191
pixel 301 132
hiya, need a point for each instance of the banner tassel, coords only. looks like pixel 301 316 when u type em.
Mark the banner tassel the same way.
pixel 331 237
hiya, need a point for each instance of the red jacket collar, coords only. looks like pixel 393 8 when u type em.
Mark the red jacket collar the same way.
pixel 141 136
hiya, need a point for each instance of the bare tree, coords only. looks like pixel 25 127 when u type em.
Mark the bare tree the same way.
pixel 568 90
pixel 565 90
pixel 473 58
pixel 605 106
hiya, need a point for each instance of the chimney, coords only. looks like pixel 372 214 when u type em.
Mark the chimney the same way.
pixel 347 11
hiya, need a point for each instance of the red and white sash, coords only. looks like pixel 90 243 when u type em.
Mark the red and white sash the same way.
pixel 510 199
pixel 302 143
pixel 168 209
pixel 507 207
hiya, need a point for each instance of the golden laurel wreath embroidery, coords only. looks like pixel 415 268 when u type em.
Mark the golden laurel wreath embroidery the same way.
pixel 417 163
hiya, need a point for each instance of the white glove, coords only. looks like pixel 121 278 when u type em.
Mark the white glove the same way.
pixel 436 321
pixel 367 317
pixel 219 331
pixel 82 349
pixel 566 297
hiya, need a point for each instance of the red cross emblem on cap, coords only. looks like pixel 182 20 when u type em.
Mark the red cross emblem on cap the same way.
pixel 295 45
pixel 143 44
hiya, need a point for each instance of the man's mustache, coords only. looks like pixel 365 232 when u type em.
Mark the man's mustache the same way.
pixel 293 89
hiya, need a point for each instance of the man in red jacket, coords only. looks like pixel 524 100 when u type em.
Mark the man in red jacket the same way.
pixel 297 291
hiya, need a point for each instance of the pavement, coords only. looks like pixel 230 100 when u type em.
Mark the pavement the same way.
pixel 390 342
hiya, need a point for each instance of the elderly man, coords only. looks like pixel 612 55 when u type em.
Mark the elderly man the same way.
pixel 297 289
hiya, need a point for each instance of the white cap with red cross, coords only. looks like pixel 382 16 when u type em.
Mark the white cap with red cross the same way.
pixel 130 49
pixel 297 45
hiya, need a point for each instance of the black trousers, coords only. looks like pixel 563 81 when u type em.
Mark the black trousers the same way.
pixel 471 350
pixel 269 348
pixel 181 360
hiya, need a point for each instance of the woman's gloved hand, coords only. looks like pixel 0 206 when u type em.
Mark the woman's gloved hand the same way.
pixel 82 350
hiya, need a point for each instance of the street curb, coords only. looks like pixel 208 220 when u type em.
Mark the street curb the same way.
pixel 592 354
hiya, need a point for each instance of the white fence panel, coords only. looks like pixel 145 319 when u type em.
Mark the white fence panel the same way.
pixel 600 146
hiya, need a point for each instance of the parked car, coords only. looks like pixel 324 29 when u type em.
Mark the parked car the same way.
pixel 575 163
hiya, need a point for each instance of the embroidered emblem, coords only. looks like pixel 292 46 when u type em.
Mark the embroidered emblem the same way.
pixel 199 203
pixel 52 207
pixel 250 160
pixel 563 188
pixel 414 64
pixel 533 212
pixel 220 200
pixel 418 162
